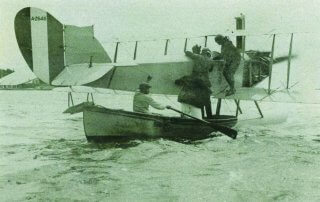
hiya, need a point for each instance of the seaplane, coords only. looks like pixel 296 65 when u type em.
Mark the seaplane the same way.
pixel 69 56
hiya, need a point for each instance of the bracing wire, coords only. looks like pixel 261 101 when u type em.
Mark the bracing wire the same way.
pixel 225 101
pixel 173 103
pixel 211 35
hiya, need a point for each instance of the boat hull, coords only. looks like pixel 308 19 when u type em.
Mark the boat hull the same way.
pixel 103 124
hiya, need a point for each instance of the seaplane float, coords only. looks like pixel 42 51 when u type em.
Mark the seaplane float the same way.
pixel 66 56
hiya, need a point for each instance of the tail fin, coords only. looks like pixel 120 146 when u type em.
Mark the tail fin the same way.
pixel 49 46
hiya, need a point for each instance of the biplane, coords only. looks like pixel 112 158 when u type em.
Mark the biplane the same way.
pixel 68 55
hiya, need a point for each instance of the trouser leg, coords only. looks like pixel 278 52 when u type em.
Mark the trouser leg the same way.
pixel 229 78
pixel 191 110
pixel 229 71
pixel 202 111
pixel 231 81
pixel 195 112
pixel 226 75
pixel 209 111
pixel 208 108
pixel 185 108
pixel 232 70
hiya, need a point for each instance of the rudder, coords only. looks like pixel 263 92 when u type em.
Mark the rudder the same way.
pixel 49 47
pixel 40 39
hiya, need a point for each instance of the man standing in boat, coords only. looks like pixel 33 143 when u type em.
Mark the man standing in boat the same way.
pixel 203 65
pixel 142 101
pixel 193 96
pixel 232 58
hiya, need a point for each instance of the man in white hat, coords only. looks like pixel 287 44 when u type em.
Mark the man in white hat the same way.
pixel 142 100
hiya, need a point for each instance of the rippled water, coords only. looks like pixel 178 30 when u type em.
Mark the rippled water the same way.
pixel 44 156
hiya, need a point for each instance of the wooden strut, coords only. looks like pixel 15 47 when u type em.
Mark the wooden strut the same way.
pixel 270 65
pixel 64 46
pixel 250 73
pixel 90 62
pixel 111 77
pixel 135 51
pixel 116 53
pixel 238 107
pixel 240 111
pixel 243 46
pixel 70 99
pixel 185 45
pixel 91 97
pixel 257 105
pixel 205 41
pixel 114 60
pixel 166 47
pixel 259 72
pixel 289 61
pixel 218 106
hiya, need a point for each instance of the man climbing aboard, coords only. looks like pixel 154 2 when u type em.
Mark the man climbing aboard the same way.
pixel 198 83
pixel 193 96
pixel 203 65
pixel 232 58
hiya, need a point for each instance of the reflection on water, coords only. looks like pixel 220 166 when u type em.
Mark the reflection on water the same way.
pixel 45 156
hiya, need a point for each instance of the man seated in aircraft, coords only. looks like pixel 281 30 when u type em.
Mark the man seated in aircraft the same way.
pixel 232 57
pixel 202 66
pixel 142 101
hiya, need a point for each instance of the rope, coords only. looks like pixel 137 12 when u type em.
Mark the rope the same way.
pixel 225 101
pixel 167 97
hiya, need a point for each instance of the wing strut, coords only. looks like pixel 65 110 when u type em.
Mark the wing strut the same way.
pixel 289 61
pixel 218 107
pixel 91 97
pixel 166 47
pixel 257 105
pixel 135 51
pixel 238 107
pixel 271 63
pixel 185 44
pixel 70 100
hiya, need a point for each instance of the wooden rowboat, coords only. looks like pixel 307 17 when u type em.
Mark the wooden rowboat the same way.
pixel 103 124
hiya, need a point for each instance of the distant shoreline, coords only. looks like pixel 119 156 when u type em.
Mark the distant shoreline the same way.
pixel 50 88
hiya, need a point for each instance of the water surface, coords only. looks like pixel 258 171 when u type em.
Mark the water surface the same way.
pixel 44 156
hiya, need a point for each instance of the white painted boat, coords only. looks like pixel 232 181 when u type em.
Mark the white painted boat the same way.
pixel 103 124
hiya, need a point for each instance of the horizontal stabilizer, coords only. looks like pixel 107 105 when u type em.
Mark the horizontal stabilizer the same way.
pixel 81 74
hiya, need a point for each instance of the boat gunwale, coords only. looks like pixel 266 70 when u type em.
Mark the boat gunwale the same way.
pixel 158 117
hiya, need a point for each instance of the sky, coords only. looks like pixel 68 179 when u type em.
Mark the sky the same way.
pixel 153 19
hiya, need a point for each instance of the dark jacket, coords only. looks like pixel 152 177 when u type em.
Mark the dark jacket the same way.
pixel 201 67
pixel 230 53
pixel 194 91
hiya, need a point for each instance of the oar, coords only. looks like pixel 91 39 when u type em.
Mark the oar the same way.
pixel 225 130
